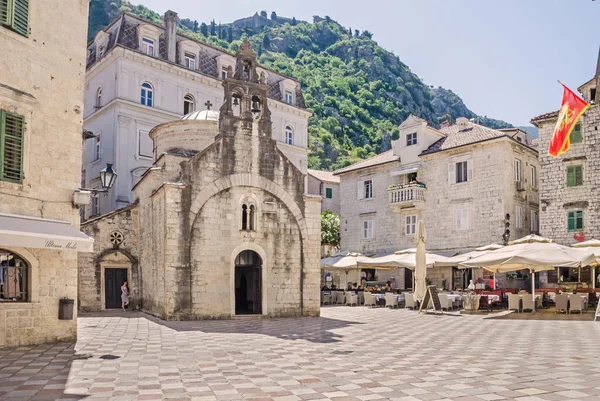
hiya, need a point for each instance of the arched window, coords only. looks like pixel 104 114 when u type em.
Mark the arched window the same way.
pixel 99 97
pixel 147 95
pixel 14 277
pixel 289 135
pixel 244 217
pixel 251 218
pixel 189 104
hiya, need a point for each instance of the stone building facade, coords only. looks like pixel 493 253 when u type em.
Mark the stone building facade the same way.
pixel 41 108
pixel 462 180
pixel 326 184
pixel 140 75
pixel 221 225
pixel 570 183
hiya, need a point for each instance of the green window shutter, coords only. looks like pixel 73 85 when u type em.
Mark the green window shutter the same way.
pixel 12 128
pixel 328 193
pixel 571 221
pixel 578 175
pixel 577 134
pixel 570 176
pixel 579 220
pixel 21 17
pixel 5 12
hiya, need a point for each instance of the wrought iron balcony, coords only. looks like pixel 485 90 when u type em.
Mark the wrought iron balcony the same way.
pixel 405 196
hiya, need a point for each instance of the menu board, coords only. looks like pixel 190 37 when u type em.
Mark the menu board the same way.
pixel 431 296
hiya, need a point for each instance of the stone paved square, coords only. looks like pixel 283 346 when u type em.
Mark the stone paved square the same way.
pixel 349 353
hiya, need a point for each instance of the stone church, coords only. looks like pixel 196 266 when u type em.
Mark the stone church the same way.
pixel 221 224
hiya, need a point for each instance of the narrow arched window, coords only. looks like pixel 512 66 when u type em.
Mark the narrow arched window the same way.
pixel 251 217
pixel 147 95
pixel 99 98
pixel 289 135
pixel 189 104
pixel 14 277
pixel 244 217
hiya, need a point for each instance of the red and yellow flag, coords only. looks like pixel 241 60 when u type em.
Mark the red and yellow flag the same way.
pixel 572 108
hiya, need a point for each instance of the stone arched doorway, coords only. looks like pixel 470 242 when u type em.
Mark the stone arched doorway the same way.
pixel 248 283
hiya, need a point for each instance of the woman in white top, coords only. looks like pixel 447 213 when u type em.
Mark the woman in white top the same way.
pixel 124 296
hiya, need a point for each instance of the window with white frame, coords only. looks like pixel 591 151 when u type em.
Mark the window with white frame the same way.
pixel 289 135
pixel 533 178
pixel 411 225
pixel 289 97
pixel 147 95
pixel 462 219
pixel 411 139
pixel 519 216
pixel 97 148
pixel 99 97
pixel 224 72
pixel 535 221
pixel 189 60
pixel 367 232
pixel 189 104
pixel 145 144
pixel 462 172
pixel 517 170
pixel 148 46
pixel 368 189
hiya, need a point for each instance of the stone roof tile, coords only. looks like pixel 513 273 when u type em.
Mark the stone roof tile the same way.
pixel 382 158
pixel 325 176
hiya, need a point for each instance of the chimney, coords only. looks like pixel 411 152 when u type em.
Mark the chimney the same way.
pixel 447 122
pixel 171 35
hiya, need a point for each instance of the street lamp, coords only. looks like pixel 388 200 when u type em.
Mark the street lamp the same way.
pixel 83 196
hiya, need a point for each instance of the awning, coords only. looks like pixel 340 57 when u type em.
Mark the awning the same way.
pixel 406 170
pixel 34 232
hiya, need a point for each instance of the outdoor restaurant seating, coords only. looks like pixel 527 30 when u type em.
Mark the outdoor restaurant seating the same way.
pixel 339 297
pixel 409 301
pixel 446 302
pixel 514 302
pixel 351 299
pixel 527 303
pixel 576 303
pixel 370 299
pixel 325 298
pixel 391 300
pixel 561 302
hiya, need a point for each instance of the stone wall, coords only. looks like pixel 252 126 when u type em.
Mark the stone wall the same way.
pixel 556 199
pixel 109 252
pixel 43 81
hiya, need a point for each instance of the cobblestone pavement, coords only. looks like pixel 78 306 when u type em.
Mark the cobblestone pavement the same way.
pixel 350 353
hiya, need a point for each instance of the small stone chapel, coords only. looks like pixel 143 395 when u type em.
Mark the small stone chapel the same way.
pixel 221 225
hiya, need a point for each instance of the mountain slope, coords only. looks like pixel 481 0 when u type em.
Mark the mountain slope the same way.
pixel 358 92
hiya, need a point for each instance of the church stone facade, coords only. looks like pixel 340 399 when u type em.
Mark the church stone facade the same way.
pixel 221 224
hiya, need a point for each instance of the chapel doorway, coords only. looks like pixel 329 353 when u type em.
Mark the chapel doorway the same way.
pixel 248 279
pixel 113 280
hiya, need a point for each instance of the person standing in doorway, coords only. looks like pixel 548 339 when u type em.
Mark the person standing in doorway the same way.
pixel 124 296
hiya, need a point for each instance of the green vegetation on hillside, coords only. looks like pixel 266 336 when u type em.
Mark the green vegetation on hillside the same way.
pixel 358 92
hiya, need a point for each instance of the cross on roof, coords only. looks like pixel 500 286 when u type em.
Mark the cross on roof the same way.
pixel 208 105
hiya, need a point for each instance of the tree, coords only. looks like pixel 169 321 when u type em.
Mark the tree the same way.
pixel 356 33
pixel 367 34
pixel 350 31
pixel 294 22
pixel 230 34
pixel 195 26
pixel 273 15
pixel 327 18
pixel 330 228
pixel 263 14
pixel 213 28
pixel 266 42
pixel 220 31
pixel 204 29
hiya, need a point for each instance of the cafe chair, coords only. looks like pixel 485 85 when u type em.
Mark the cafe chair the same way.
pixel 409 301
pixel 561 301
pixel 390 300
pixel 527 303
pixel 325 299
pixel 370 299
pixel 351 299
pixel 361 298
pixel 446 302
pixel 339 298
pixel 576 303
pixel 514 302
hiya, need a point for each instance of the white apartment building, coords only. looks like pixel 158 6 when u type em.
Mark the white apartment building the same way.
pixel 140 75
pixel 464 180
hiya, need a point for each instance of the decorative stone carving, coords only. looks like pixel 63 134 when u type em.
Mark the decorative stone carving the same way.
pixel 116 238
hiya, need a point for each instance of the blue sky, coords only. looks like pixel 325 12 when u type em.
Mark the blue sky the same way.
pixel 502 57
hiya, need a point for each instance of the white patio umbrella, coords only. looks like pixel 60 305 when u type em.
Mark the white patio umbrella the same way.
pixel 464 257
pixel 534 256
pixel 344 261
pixel 420 262
pixel 528 239
pixel 406 260
pixel 592 245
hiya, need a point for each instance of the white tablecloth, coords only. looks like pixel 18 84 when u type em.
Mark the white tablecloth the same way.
pixel 453 297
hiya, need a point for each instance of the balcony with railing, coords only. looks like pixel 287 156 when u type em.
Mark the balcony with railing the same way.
pixel 405 196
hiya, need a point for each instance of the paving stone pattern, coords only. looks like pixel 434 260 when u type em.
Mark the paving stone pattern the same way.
pixel 349 353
